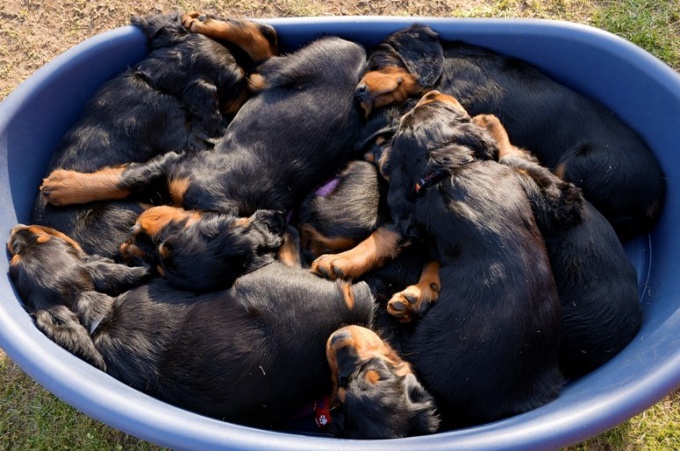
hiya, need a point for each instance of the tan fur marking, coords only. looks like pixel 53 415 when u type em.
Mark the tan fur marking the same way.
pixel 245 34
pixel 560 170
pixel 367 345
pixel 15 260
pixel 289 253
pixel 243 222
pixel 436 96
pixel 257 82
pixel 153 220
pixel 389 85
pixel 372 376
pixel 178 188
pixel 48 231
pixel 129 249
pixel 493 126
pixel 404 303
pixel 347 294
pixel 318 244
pixel 381 246
pixel 65 187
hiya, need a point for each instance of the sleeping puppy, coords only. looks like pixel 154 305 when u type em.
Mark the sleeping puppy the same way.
pixel 177 98
pixel 574 136
pixel 242 355
pixel 346 211
pixel 377 394
pixel 497 317
pixel 596 282
pixel 203 251
pixel 44 259
pixel 292 135
pixel 343 211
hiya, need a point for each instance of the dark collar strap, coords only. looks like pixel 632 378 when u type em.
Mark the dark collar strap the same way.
pixel 430 180
pixel 433 178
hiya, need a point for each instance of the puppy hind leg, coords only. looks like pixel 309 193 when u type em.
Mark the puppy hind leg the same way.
pixel 258 40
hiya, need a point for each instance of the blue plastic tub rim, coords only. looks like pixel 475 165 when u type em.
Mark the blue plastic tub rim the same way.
pixel 642 90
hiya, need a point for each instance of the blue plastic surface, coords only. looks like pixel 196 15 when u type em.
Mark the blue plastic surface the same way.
pixel 640 89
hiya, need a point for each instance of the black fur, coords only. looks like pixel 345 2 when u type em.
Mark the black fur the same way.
pixel 595 280
pixel 253 354
pixel 488 348
pixel 568 132
pixel 291 136
pixel 169 101
pixel 207 253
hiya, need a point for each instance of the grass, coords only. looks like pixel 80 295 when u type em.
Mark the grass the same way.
pixel 31 418
pixel 652 25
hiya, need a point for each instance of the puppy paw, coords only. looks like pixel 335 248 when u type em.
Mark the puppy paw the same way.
pixel 335 267
pixel 60 187
pixel 415 299
pixel 194 21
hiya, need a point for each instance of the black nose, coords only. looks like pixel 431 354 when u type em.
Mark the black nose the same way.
pixel 361 92
pixel 339 336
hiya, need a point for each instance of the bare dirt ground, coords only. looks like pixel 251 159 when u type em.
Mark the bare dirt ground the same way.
pixel 33 32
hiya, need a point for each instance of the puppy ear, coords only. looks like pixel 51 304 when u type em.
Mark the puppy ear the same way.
pixel 401 204
pixel 426 420
pixel 481 143
pixel 421 52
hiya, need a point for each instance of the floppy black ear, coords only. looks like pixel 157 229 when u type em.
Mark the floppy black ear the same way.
pixel 421 51
pixel 61 326
pixel 483 146
pixel 115 278
pixel 426 421
pixel 401 203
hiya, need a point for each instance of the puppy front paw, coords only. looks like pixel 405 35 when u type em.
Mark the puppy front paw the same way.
pixel 336 266
pixel 414 299
pixel 59 188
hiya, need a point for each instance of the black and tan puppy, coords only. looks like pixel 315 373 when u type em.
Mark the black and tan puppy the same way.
pixel 376 392
pixel 343 211
pixel 177 98
pixel 574 136
pixel 488 348
pixel 64 288
pixel 292 135
pixel 253 354
pixel 596 282
pixel 204 251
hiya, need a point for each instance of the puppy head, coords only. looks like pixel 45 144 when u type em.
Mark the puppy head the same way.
pixel 378 395
pixel 433 140
pixel 204 251
pixel 406 63
pixel 46 267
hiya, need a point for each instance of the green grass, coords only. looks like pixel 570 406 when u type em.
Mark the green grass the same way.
pixel 31 418
pixel 651 24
